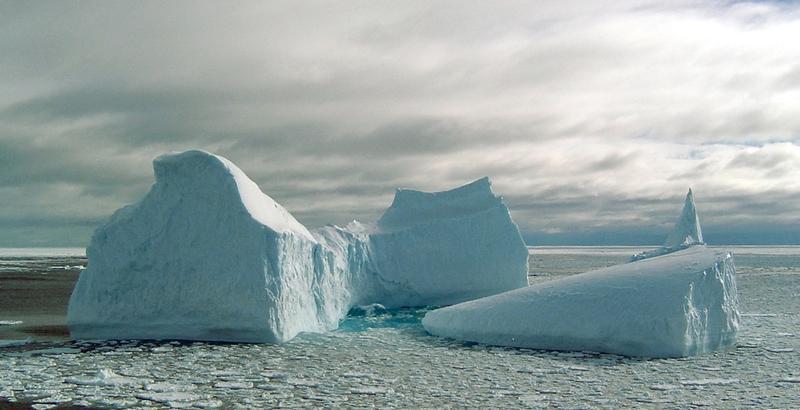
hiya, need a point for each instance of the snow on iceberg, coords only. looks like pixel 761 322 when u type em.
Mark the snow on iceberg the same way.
pixel 686 233
pixel 205 255
pixel 680 304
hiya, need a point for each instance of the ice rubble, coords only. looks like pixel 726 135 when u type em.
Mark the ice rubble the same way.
pixel 205 255
pixel 679 302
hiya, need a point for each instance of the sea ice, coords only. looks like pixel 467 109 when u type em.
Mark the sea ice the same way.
pixel 709 382
pixel 104 377
pixel 681 303
pixel 205 255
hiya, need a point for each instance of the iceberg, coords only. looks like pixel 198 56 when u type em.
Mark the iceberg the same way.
pixel 680 302
pixel 687 232
pixel 675 305
pixel 447 247
pixel 206 255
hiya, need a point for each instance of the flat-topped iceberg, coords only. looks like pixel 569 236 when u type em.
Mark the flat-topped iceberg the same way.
pixel 206 255
pixel 681 301
pixel 447 247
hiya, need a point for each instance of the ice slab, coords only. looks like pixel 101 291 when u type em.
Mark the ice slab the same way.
pixel 206 255
pixel 680 304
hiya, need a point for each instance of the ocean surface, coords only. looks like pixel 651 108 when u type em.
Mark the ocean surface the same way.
pixel 383 358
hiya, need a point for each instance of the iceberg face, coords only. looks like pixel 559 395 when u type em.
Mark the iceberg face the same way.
pixel 680 304
pixel 205 255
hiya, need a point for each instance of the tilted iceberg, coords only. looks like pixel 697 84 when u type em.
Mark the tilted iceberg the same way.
pixel 680 304
pixel 205 255
pixel 677 304
pixel 685 233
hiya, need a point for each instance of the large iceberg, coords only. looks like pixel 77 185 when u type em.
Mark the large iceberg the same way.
pixel 205 255
pixel 680 303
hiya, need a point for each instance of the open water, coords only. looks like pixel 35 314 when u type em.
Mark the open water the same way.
pixel 384 358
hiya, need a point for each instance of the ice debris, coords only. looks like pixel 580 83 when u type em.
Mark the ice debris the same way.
pixel 15 342
pixel 104 377
pixel 205 255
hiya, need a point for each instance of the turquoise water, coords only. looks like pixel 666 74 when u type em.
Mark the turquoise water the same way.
pixel 383 358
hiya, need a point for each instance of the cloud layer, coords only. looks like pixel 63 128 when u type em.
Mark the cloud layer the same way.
pixel 592 121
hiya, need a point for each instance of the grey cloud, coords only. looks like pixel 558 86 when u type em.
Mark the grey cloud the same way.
pixel 761 160
pixel 588 118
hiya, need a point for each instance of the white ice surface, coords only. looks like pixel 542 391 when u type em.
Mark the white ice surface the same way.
pixel 205 255
pixel 679 304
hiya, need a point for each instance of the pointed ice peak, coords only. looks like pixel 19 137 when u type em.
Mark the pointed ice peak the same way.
pixel 686 232
pixel 687 229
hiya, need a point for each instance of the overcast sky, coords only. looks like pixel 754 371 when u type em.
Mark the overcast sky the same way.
pixel 592 121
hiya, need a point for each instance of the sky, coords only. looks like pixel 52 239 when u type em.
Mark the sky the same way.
pixel 592 120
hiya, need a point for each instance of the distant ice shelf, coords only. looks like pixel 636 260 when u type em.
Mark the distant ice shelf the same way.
pixel 205 255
